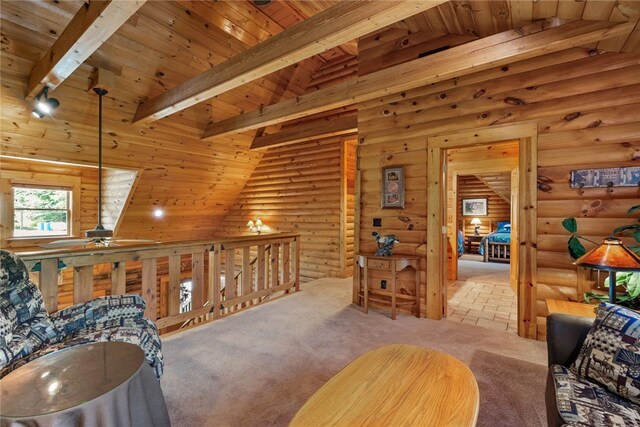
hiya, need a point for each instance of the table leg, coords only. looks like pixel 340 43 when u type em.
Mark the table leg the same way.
pixel 417 268
pixel 366 290
pixel 394 278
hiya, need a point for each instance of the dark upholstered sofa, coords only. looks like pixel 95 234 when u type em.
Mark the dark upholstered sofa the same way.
pixel 594 368
pixel 28 332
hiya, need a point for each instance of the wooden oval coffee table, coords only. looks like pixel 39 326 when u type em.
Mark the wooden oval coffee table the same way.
pixel 396 385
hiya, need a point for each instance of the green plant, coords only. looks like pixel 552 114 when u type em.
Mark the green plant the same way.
pixel 630 281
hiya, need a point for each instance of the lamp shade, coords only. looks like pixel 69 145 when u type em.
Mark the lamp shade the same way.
pixel 476 221
pixel 250 224
pixel 259 222
pixel 611 255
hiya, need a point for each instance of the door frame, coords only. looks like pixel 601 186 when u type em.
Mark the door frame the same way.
pixel 436 283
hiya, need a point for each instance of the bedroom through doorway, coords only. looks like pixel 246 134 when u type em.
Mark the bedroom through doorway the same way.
pixel 482 186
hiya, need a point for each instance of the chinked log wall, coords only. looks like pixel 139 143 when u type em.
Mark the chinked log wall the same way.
pixel 307 188
pixel 586 105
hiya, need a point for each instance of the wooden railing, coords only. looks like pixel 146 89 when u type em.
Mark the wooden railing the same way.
pixel 253 269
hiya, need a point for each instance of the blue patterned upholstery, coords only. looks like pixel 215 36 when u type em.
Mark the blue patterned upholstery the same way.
pixel 585 403
pixel 28 332
pixel 610 354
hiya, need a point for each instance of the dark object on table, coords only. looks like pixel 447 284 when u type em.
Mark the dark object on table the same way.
pixel 572 395
pixel 106 383
pixel 28 332
pixel 385 243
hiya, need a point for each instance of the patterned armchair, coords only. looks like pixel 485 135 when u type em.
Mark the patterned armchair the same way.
pixel 27 331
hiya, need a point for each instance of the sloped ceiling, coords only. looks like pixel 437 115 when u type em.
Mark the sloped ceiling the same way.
pixel 168 42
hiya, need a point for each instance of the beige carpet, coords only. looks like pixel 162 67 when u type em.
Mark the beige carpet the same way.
pixel 258 367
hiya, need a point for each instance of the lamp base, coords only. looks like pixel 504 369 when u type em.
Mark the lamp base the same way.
pixel 476 230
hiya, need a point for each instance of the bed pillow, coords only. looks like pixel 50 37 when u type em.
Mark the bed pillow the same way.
pixel 610 354
pixel 504 227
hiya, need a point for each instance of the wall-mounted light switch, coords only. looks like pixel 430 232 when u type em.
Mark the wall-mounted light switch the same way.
pixel 383 284
pixel 377 222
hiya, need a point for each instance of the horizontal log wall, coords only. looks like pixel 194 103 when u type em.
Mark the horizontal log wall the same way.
pixel 585 104
pixel 297 188
pixel 470 187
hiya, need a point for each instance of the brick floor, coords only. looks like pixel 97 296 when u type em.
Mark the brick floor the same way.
pixel 487 302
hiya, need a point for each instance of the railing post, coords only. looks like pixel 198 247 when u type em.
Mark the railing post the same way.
pixel 173 294
pixel 229 276
pixel 246 270
pixel 260 267
pixel 82 284
pixel 286 264
pixel 49 283
pixel 267 266
pixel 215 270
pixel 118 278
pixel 275 261
pixel 197 280
pixel 150 287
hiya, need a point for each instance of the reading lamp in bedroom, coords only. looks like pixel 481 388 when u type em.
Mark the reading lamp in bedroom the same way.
pixel 476 222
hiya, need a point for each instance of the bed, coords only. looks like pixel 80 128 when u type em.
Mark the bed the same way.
pixel 496 246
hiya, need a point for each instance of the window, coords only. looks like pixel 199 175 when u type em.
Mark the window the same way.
pixel 41 211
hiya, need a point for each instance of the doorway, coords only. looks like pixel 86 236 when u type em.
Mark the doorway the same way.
pixel 480 199
pixel 523 219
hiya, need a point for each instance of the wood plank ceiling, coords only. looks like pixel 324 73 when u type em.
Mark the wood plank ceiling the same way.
pixel 167 43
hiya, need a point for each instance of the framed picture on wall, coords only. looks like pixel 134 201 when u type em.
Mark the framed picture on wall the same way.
pixel 393 187
pixel 474 207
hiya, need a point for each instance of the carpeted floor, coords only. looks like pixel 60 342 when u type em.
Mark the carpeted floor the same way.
pixel 258 367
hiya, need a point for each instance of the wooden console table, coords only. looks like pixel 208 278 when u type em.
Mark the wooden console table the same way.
pixel 570 307
pixel 392 264
pixel 396 385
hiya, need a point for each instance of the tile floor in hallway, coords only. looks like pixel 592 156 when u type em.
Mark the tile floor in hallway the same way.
pixel 482 297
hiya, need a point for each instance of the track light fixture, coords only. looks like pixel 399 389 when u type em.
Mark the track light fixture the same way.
pixel 44 104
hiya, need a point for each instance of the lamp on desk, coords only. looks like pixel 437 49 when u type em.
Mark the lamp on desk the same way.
pixel 610 256
pixel 476 222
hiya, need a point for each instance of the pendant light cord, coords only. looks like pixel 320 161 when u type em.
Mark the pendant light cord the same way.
pixel 101 92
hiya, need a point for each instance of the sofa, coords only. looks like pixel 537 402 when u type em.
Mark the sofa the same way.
pixel 594 368
pixel 27 331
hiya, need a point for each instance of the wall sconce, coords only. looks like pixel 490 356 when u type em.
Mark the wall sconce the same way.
pixel 44 104
pixel 476 222
pixel 255 227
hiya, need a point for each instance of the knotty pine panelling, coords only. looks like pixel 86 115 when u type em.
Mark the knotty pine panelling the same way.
pixel 586 105
pixel 470 187
pixel 165 43
pixel 297 188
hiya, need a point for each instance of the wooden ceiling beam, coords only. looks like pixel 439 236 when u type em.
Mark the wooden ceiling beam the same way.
pixel 335 26
pixel 303 132
pixel 91 26
pixel 532 40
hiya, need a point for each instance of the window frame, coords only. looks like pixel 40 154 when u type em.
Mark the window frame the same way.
pixel 67 209
pixel 11 179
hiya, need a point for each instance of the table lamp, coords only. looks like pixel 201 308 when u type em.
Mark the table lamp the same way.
pixel 476 222
pixel 610 256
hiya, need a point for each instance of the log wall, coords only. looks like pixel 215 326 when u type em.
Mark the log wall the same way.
pixel 470 187
pixel 585 104
pixel 299 188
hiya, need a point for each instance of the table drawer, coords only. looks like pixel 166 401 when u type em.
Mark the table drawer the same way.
pixel 379 264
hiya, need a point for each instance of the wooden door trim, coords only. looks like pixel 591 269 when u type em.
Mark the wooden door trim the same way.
pixel 527 135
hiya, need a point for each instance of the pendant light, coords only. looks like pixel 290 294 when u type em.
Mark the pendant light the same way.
pixel 99 231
